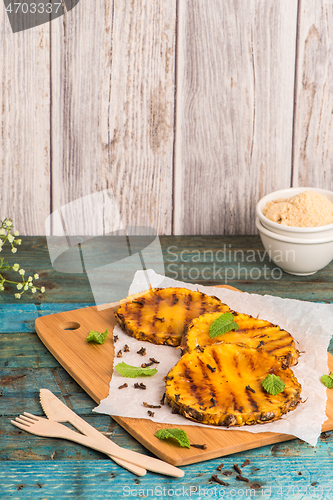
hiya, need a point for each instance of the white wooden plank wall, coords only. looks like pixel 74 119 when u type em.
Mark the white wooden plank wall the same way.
pixel 234 111
pixel 313 142
pixel 188 111
pixel 25 126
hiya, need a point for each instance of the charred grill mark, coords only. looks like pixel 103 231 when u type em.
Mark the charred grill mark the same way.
pixel 217 360
pixel 193 387
pixel 237 407
pixel 252 401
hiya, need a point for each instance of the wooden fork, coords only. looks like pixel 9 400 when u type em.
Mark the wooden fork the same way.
pixel 48 428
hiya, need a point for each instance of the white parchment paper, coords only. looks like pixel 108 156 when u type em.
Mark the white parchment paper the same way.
pixel 310 324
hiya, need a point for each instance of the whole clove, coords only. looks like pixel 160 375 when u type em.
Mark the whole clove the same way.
pixel 140 386
pixel 123 386
pixel 126 348
pixel 145 365
pixel 237 469
pixel 151 413
pixel 120 354
pixel 219 467
pixel 217 480
pixel 199 446
pixel 248 388
pixel 146 405
pixel 142 351
pixel 211 368
pixel 160 319
pixel 153 360
pixel 247 462
pixel 162 399
pixel 242 478
pixel 115 338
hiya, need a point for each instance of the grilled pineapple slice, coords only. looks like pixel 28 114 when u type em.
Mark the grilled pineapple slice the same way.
pixel 160 315
pixel 252 332
pixel 222 386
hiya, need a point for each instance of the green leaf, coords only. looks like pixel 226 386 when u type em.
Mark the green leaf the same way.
pixel 327 380
pixel 134 371
pixel 273 384
pixel 97 337
pixel 222 324
pixel 177 434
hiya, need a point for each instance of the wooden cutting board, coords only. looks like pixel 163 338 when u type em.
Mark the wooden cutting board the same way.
pixel 90 365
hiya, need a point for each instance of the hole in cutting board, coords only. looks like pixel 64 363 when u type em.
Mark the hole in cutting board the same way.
pixel 70 325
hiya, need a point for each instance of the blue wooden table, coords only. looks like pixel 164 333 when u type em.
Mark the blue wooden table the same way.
pixel 41 468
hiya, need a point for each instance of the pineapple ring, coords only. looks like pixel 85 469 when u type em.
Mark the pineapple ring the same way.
pixel 160 315
pixel 222 386
pixel 252 332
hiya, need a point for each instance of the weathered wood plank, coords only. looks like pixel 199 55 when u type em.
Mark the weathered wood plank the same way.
pixel 235 68
pixel 102 479
pixel 112 108
pixel 25 126
pixel 24 350
pixel 17 317
pixel 200 259
pixel 313 146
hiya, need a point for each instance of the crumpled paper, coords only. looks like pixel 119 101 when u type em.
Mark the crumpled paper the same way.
pixel 309 323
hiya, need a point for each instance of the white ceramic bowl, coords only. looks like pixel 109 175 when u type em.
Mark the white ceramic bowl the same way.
pixel 295 255
pixel 294 232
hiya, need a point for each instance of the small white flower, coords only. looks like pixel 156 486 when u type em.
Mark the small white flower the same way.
pixel 9 223
pixel 19 286
pixel 42 289
pixel 30 278
pixel 25 287
pixel 0 249
pixel 2 232
pixel 36 276
pixel 2 288
pixel 10 238
pixel 18 242
pixel 14 250
pixel 22 271
pixel 30 284
pixel 16 233
pixel 1 243
pixel 16 267
pixel 18 295
pixel 33 289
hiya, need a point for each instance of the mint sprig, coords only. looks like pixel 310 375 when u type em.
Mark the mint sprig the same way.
pixel 134 371
pixel 273 384
pixel 327 380
pixel 222 324
pixel 98 337
pixel 178 434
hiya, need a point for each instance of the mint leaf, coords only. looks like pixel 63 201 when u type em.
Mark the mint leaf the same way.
pixel 134 371
pixel 327 380
pixel 98 337
pixel 222 324
pixel 177 434
pixel 273 384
